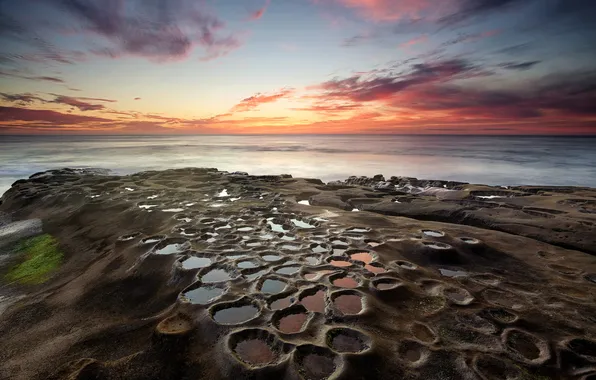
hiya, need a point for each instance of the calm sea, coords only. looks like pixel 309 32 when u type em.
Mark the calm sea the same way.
pixel 495 160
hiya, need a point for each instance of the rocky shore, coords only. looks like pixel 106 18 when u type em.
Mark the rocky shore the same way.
pixel 203 274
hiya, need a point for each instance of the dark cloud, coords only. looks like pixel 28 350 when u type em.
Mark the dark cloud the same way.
pixel 78 103
pixel 26 98
pixel 15 114
pixel 519 65
pixel 469 9
pixel 18 74
pixel 156 29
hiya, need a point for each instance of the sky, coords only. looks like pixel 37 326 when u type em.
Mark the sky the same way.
pixel 297 66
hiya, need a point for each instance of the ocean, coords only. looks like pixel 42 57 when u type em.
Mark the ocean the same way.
pixel 492 160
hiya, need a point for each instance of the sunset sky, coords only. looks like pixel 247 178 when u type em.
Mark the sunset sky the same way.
pixel 298 66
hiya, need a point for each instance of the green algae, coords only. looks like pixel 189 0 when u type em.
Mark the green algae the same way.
pixel 41 257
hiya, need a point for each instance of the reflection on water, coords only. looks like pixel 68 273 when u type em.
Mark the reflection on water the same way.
pixel 511 159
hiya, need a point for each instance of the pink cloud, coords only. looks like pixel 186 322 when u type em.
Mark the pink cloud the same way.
pixel 256 15
pixel 256 100
pixel 414 41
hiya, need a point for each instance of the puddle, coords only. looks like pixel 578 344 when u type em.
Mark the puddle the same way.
pixel 301 224
pixel 523 343
pixel 146 207
pixel 358 230
pixel 347 340
pixel 253 244
pixel 288 238
pixel 169 249
pixel 152 240
pixel 376 268
pixel 152 196
pixel 469 240
pixel 458 295
pixel 254 351
pixel 314 276
pixel 437 245
pixel 273 286
pixel 433 233
pixel 245 229
pixel 423 333
pixel 236 314
pixel 281 303
pixel 196 262
pixel 315 302
pixel 129 189
pixel 365 257
pixel 216 275
pixel 252 276
pixel 318 249
pixel 276 227
pixel 247 264
pixel 290 247
pixel 338 251
pixel 386 284
pixel 292 323
pixel 355 210
pixel 288 270
pixel 305 202
pixel 271 258
pixel 224 227
pixel 374 243
pixel 223 193
pixel 217 205
pixel 339 242
pixel 203 295
pixel 406 265
pixel 453 273
pixel 348 304
pixel 340 263
pixel 346 282
pixel 315 363
pixel 173 210
pixel 312 260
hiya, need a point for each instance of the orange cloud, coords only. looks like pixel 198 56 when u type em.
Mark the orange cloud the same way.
pixel 250 103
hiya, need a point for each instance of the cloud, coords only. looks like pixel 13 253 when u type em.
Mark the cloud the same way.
pixel 365 89
pixel 17 74
pixel 519 65
pixel 390 10
pixel 78 103
pixel 25 98
pixel 256 15
pixel 414 41
pixel 15 114
pixel 158 30
pixel 137 98
pixel 250 103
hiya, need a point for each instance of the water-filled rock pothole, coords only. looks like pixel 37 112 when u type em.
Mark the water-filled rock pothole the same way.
pixel 347 302
pixel 433 233
pixel 170 246
pixel 452 273
pixel 319 248
pixel 386 283
pixel 375 268
pixel 347 340
pixel 202 295
pixel 291 320
pixel 314 299
pixel 344 281
pixel 272 286
pixel 525 346
pixel 412 351
pixel 153 239
pixel 459 296
pixel 365 257
pixel 288 270
pixel 236 312
pixel 339 261
pixel 194 262
pixel 423 333
pixel 256 347
pixel 316 363
pixel 437 245
pixel 218 275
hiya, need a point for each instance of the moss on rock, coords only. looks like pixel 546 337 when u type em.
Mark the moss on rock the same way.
pixel 42 257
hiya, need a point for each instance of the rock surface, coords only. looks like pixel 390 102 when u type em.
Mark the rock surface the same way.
pixel 196 273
